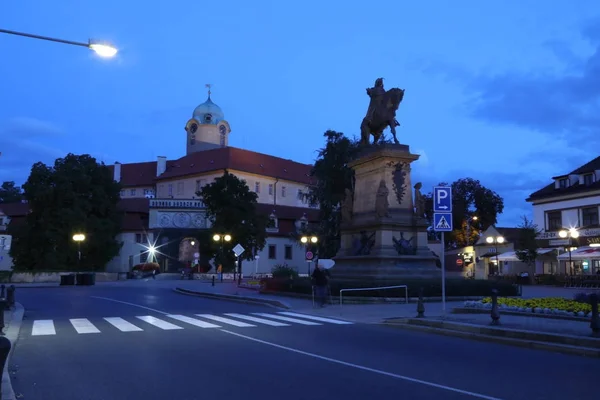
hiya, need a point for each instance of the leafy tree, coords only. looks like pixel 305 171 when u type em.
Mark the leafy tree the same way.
pixel 10 193
pixel 469 199
pixel 526 244
pixel 76 195
pixel 333 176
pixel 231 205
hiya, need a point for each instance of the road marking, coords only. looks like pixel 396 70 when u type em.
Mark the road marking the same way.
pixel 361 367
pixel 321 319
pixel 130 304
pixel 193 321
pixel 287 319
pixel 122 325
pixel 226 321
pixel 257 320
pixel 43 327
pixel 83 325
pixel 159 323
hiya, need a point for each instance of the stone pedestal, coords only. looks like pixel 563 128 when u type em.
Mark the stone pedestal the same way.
pixel 384 238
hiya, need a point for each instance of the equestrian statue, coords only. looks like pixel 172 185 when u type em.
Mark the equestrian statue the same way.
pixel 381 113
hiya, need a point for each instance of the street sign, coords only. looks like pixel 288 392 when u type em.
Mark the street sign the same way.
pixel 442 199
pixel 459 262
pixel 309 255
pixel 442 222
pixel 238 250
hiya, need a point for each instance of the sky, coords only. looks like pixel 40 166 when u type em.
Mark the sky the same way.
pixel 506 92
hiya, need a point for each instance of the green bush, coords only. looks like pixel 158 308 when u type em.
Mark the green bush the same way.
pixel 431 287
pixel 283 271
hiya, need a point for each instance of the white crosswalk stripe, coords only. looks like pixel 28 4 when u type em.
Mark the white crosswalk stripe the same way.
pixel 315 318
pixel 48 327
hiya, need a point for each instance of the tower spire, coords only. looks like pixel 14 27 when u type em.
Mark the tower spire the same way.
pixel 208 85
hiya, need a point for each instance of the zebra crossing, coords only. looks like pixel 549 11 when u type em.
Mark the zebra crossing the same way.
pixel 82 326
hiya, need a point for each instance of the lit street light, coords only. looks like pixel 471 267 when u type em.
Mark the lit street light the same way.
pixel 78 238
pixel 496 240
pixel 221 238
pixel 103 49
pixel 571 234
pixel 305 240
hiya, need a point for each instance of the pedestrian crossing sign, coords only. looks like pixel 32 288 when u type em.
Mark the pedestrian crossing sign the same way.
pixel 442 222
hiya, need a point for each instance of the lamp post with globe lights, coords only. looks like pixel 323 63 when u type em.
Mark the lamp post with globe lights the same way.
pixel 103 49
pixel 495 240
pixel 307 241
pixel 570 234
pixel 78 238
pixel 221 239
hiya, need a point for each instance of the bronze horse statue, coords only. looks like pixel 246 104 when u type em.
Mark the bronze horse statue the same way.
pixel 382 116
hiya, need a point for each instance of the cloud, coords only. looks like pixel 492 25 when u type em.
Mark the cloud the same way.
pixel 25 141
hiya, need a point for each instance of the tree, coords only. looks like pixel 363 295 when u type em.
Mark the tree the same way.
pixel 526 244
pixel 76 195
pixel 10 193
pixel 231 206
pixel 333 176
pixel 469 199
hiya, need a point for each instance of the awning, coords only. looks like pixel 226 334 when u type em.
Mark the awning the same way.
pixel 582 253
pixel 488 255
pixel 508 256
pixel 546 250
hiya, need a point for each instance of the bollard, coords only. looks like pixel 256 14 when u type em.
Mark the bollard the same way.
pixel 2 307
pixel 213 280
pixel 595 320
pixel 495 311
pixel 3 291
pixel 4 351
pixel 10 295
pixel 420 305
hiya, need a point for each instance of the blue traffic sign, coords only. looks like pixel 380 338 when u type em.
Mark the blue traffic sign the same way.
pixel 442 222
pixel 442 199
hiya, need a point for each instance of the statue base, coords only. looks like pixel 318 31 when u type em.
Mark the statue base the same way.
pixel 389 241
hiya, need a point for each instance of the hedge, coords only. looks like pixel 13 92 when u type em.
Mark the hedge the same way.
pixel 431 287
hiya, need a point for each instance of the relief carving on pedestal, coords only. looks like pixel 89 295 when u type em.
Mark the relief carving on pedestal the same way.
pixel 401 169
pixel 165 220
pixel 182 220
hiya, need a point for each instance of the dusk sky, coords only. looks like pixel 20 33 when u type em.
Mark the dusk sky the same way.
pixel 507 92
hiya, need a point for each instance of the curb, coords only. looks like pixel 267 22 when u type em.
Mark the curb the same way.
pixel 469 310
pixel 235 298
pixel 12 334
pixel 525 343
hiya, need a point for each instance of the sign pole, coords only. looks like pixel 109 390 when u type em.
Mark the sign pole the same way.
pixel 443 276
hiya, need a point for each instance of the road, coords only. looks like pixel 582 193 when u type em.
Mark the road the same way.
pixel 138 342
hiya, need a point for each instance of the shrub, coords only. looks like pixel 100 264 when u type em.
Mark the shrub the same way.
pixel 284 271
pixel 147 267
pixel 431 287
pixel 552 303
pixel 582 297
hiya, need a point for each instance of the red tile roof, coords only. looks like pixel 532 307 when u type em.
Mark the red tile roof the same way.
pixel 144 174
pixel 15 209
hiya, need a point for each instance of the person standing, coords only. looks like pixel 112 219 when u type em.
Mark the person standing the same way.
pixel 320 280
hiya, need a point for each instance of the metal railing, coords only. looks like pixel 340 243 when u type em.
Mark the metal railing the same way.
pixel 376 288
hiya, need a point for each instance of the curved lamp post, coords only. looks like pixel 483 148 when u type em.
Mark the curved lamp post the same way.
pixel 495 240
pixel 571 234
pixel 103 49
pixel 306 240
pixel 78 238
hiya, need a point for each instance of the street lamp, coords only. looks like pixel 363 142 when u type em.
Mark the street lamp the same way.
pixel 305 240
pixel 221 238
pixel 571 234
pixel 496 240
pixel 78 238
pixel 103 49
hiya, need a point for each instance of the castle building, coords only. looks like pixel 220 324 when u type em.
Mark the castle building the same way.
pixel 162 208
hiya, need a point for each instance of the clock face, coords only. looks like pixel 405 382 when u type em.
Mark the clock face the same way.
pixel 193 128
pixel 222 129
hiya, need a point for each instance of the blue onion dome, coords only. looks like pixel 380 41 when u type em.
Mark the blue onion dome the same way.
pixel 208 113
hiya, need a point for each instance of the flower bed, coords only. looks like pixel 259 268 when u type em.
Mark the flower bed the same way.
pixel 546 305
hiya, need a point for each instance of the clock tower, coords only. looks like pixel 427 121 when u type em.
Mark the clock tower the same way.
pixel 207 129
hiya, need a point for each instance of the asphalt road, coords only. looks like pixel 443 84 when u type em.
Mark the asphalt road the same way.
pixel 127 357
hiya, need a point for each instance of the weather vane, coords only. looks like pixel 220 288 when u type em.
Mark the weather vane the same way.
pixel 208 85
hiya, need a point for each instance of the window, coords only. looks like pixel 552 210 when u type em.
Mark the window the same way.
pixel 283 191
pixel 272 252
pixel 141 238
pixel 589 216
pixel 562 183
pixel 588 179
pixel 132 192
pixel 170 189
pixel 288 252
pixel 554 220
pixel 208 118
pixel 257 187
pixel 271 189
pixel 199 185
pixel 179 188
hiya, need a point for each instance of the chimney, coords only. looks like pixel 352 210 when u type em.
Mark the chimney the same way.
pixel 161 165
pixel 117 171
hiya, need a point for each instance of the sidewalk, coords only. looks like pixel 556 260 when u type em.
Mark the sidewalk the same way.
pixel 12 322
